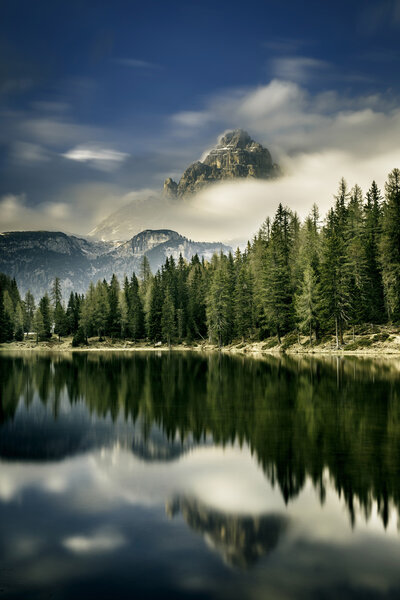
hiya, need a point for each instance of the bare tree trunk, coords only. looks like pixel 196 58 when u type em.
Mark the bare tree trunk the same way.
pixel 311 335
pixel 278 334
pixel 354 334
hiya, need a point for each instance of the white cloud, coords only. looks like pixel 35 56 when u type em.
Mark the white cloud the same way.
pixel 16 215
pixel 297 68
pixel 191 118
pixel 101 541
pixel 99 157
pixel 316 138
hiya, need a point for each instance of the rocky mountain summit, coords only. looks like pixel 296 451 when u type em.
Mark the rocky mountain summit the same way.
pixel 235 156
pixel 35 258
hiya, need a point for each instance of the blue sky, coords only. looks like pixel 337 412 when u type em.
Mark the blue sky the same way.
pixel 99 99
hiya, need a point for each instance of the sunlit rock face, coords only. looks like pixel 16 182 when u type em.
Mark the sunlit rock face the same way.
pixel 235 156
pixel 241 540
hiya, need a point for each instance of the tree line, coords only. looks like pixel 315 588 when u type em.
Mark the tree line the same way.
pixel 309 276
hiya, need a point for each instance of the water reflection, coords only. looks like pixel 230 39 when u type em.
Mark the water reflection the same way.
pixel 258 458
pixel 298 416
pixel 241 540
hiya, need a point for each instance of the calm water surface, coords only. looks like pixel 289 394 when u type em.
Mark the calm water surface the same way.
pixel 198 476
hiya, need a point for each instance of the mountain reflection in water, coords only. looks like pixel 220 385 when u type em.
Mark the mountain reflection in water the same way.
pixel 281 464
pixel 241 540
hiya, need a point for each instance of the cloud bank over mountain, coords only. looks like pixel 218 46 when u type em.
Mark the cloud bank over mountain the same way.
pixel 316 138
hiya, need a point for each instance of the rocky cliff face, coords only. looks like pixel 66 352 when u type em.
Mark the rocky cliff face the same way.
pixel 235 156
pixel 35 258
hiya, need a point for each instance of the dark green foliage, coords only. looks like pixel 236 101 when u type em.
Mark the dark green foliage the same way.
pixel 73 312
pixel 59 315
pixel 219 301
pixel 168 327
pixel 28 311
pixel 374 296
pixel 154 330
pixel 279 310
pixel 114 315
pixel 390 245
pixel 79 338
pixel 305 278
pixel 45 310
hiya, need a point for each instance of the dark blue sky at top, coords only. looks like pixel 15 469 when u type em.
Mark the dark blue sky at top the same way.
pixel 193 48
pixel 125 67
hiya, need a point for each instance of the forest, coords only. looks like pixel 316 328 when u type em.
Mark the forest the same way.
pixel 312 277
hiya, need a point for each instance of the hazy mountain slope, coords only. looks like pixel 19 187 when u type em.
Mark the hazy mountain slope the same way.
pixel 35 258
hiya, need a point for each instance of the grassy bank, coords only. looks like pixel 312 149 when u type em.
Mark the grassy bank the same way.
pixel 366 339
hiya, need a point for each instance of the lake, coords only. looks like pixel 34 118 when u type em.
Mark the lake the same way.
pixel 188 475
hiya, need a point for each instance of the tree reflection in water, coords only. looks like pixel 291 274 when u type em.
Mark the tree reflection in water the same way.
pixel 299 416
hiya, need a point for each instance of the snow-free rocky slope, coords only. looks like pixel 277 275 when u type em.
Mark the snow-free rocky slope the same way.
pixel 235 156
pixel 35 258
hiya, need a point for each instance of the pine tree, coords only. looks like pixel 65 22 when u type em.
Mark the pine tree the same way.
pixel 14 292
pixel 60 321
pixel 73 313
pixel 307 302
pixel 279 310
pixel 19 323
pixel 242 299
pixel 135 310
pixel 114 315
pixel 196 310
pixel 218 300
pixel 29 311
pixel 155 309
pixel 38 326
pixel 85 318
pixel 45 311
pixel 390 245
pixel 124 312
pixel 101 316
pixel 145 274
pixel 335 293
pixel 56 295
pixel 168 318
pixel 3 321
pixel 181 298
pixel 356 263
pixel 258 262
pixel 374 301
pixel 9 315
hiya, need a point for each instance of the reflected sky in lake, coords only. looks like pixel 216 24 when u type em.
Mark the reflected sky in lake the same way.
pixel 201 476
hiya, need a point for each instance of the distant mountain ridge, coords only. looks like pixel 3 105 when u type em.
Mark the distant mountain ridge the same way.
pixel 35 258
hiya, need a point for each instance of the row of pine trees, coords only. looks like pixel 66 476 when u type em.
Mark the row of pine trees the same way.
pixel 312 277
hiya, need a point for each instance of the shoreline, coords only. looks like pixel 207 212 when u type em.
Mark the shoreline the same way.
pixel 382 349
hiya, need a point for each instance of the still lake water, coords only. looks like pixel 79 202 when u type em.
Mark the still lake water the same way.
pixel 198 476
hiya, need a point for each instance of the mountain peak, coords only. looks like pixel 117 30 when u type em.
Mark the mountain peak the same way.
pixel 237 138
pixel 235 156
